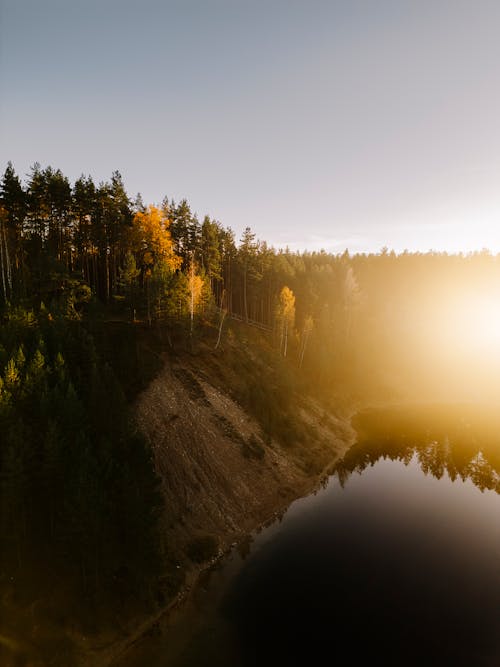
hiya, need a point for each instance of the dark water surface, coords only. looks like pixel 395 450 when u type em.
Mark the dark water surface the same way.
pixel 396 561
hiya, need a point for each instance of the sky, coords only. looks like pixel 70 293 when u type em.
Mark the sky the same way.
pixel 355 124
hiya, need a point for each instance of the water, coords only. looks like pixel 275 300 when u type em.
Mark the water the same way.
pixel 396 561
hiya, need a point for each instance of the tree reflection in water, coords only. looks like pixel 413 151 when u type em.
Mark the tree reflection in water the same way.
pixel 462 441
pixel 394 569
pixel 397 569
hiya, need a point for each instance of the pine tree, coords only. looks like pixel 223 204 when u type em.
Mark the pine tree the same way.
pixel 306 333
pixel 246 253
pixel 285 317
pixel 84 212
pixel 210 251
pixel 13 202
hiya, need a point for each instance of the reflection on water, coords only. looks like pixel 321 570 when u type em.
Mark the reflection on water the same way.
pixel 396 561
pixel 463 441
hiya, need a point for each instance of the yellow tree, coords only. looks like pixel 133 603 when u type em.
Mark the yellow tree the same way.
pixel 286 316
pixel 153 248
pixel 151 240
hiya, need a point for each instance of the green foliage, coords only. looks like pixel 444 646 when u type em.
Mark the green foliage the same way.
pixel 78 494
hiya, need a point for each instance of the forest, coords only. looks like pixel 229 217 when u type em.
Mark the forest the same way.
pixel 79 498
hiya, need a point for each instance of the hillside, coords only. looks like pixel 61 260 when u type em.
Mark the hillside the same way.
pixel 219 470
pixel 223 474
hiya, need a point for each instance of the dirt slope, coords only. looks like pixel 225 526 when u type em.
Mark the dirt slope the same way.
pixel 219 475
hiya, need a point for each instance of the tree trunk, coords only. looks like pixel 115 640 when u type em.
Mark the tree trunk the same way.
pixel 192 300
pixel 2 264
pixel 245 306
pixel 224 312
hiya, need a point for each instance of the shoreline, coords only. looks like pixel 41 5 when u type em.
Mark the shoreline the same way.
pixel 118 650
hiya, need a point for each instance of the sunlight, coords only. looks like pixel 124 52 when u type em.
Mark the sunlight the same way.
pixel 477 323
pixel 458 341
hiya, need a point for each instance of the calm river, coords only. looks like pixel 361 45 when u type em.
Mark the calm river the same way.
pixel 395 561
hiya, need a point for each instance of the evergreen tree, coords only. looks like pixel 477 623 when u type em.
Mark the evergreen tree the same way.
pixel 12 218
pixel 285 317
pixel 246 257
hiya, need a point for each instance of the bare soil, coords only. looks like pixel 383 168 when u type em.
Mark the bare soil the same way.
pixel 221 478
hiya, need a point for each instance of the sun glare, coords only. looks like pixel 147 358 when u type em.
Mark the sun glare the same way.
pixel 476 324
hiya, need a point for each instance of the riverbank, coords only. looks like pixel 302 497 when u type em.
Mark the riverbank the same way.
pixel 236 438
pixel 118 655
pixel 222 478
pixel 134 651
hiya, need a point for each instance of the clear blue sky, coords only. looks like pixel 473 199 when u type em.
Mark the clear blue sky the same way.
pixel 331 124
